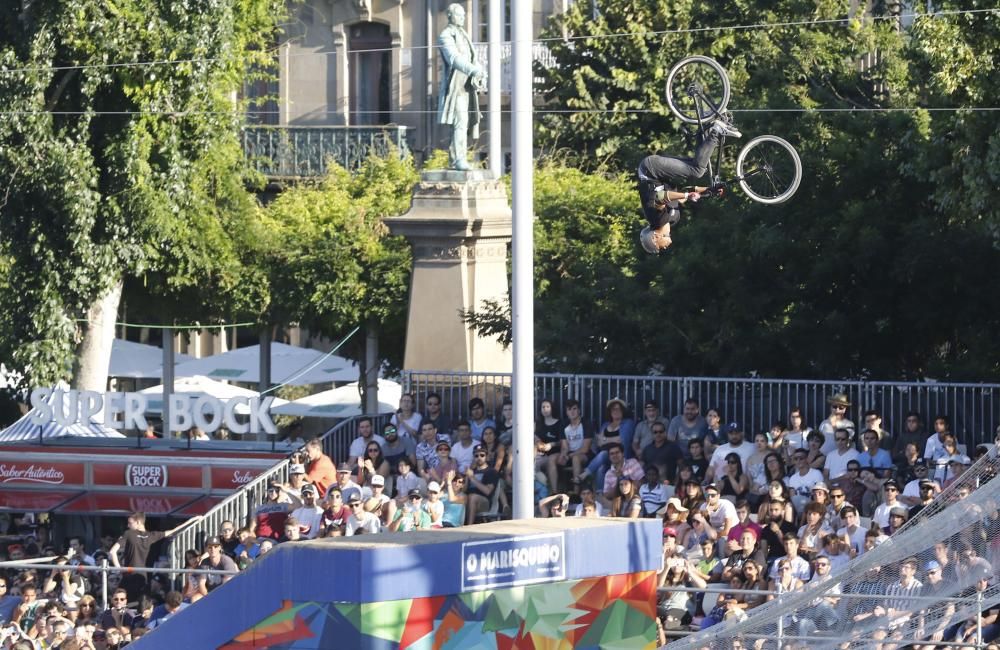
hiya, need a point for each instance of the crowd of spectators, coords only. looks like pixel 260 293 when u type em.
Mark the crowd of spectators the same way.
pixel 769 512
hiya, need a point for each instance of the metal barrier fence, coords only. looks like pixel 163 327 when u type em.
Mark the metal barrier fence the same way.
pixel 974 409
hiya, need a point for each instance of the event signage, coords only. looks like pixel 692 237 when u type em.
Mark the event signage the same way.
pixel 41 473
pixel 154 476
pixel 68 407
pixel 513 561
pixel 233 478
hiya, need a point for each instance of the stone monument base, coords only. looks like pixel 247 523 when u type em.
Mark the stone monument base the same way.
pixel 459 226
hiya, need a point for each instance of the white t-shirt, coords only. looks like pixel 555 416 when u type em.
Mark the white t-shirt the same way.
pixel 367 523
pixel 836 463
pixel 802 485
pixel 574 436
pixel 359 444
pixel 435 509
pixel 309 519
pixel 579 509
pixel 800 568
pixel 932 445
pixel 797 439
pixel 857 539
pixel 653 498
pixel 744 451
pixel 463 455
pixel 726 513
pixel 413 422
pixel 881 514
pixel 830 444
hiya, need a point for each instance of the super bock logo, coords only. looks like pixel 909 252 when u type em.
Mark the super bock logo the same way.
pixel 146 475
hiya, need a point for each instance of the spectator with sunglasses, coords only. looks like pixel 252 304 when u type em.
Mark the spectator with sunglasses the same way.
pixel 482 482
pixel 412 516
pixel 361 521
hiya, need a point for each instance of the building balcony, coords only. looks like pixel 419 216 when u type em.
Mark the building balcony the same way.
pixel 288 152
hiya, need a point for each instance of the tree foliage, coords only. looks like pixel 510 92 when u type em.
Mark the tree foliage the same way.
pixel 882 265
pixel 110 169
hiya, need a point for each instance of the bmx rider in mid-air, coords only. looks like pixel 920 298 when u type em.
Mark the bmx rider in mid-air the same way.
pixel 661 179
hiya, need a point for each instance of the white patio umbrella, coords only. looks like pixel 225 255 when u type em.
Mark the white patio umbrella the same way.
pixel 138 360
pixel 289 364
pixel 25 431
pixel 198 386
pixel 342 402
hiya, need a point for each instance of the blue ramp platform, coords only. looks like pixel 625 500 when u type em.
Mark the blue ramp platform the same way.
pixel 539 583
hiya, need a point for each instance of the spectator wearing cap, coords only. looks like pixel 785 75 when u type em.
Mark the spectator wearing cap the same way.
pixel 928 490
pixel 412 516
pixel 215 560
pixel 366 434
pixel 397 448
pixel 890 500
pixel 689 425
pixel 465 445
pixel 897 517
pixel 379 502
pixel 736 445
pixel 957 465
pixel 320 470
pixel 310 514
pixel 361 521
pixel 296 479
pixel 644 433
pixel 874 457
pixel 445 463
pixel 837 419
pixel 345 481
pixel 720 513
pixel 481 481
pixel 910 478
pixel 269 517
pixel 433 504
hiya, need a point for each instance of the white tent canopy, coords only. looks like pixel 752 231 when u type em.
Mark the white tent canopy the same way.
pixel 25 431
pixel 289 365
pixel 138 360
pixel 195 387
pixel 342 402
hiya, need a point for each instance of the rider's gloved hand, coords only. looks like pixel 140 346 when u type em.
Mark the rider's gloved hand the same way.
pixel 693 196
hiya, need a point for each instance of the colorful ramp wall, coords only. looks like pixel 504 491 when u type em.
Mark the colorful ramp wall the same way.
pixel 545 583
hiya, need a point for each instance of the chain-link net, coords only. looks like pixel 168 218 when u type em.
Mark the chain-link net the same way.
pixel 929 581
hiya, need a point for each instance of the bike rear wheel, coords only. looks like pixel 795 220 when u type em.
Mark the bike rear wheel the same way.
pixel 769 169
pixel 697 87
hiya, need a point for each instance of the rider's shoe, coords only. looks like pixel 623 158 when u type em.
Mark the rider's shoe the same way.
pixel 722 127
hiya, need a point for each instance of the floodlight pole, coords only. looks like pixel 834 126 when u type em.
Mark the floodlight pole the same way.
pixel 522 311
pixel 494 37
pixel 168 379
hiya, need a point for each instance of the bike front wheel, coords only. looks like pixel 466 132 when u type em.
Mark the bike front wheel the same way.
pixel 769 169
pixel 697 89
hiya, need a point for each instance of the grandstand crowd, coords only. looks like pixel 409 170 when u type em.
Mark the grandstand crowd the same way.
pixel 766 512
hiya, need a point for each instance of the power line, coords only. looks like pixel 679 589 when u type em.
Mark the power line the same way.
pixel 907 109
pixel 680 30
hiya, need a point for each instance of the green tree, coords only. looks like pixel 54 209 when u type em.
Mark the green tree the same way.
pixel 111 168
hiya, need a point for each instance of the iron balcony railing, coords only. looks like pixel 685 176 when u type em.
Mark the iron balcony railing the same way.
pixel 280 152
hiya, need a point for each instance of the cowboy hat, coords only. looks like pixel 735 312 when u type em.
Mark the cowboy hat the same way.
pixel 839 399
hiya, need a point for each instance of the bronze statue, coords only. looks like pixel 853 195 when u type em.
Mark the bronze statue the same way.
pixel 461 81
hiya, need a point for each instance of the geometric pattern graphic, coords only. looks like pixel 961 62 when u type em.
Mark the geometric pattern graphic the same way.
pixel 609 612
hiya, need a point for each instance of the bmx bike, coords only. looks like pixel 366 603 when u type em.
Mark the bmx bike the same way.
pixel 768 168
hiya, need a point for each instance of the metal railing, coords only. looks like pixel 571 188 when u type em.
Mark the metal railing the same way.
pixel 974 409
pixel 239 506
pixel 306 151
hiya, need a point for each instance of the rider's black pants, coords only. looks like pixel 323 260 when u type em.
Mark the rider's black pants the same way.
pixel 673 172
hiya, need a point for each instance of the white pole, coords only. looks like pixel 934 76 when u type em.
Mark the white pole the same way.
pixel 523 312
pixel 495 36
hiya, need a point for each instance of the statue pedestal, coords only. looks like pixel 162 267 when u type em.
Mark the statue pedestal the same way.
pixel 459 226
